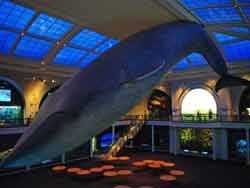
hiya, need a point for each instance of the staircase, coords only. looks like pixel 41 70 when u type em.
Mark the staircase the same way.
pixel 134 129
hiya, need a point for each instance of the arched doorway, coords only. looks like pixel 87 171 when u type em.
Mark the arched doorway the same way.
pixel 12 103
pixel 198 105
pixel 159 105
pixel 244 108
pixel 49 92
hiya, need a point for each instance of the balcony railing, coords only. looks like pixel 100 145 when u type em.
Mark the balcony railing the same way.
pixel 203 118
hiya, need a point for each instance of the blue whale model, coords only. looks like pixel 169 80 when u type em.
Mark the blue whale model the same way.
pixel 109 87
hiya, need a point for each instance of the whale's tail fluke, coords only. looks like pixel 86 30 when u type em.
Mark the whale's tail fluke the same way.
pixel 229 81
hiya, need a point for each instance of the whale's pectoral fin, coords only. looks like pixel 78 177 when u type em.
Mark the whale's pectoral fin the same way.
pixel 229 81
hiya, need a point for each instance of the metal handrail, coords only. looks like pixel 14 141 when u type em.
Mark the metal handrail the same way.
pixel 190 118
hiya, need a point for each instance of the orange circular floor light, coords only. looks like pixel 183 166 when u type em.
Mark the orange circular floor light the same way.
pixel 125 172
pixel 167 164
pixel 167 178
pixel 154 166
pixel 148 161
pixel 108 167
pixel 73 170
pixel 112 158
pixel 59 168
pixel 83 172
pixel 110 173
pixel 124 158
pixel 122 186
pixel 177 172
pixel 96 170
pixel 139 164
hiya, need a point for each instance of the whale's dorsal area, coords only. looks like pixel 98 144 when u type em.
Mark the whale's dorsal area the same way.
pixel 96 97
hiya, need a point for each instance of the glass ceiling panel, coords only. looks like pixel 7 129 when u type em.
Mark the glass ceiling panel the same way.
pixel 7 40
pixel 197 59
pixel 191 61
pixel 106 45
pixel 14 16
pixel 69 56
pixel 238 29
pixel 182 65
pixel 88 59
pixel 204 3
pixel 220 37
pixel 218 15
pixel 32 48
pixel 87 39
pixel 237 51
pixel 246 11
pixel 244 1
pixel 50 27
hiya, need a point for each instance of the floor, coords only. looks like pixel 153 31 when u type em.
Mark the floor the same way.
pixel 199 173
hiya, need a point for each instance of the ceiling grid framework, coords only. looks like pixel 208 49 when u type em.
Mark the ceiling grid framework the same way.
pixel 218 16
pixel 230 18
pixel 44 37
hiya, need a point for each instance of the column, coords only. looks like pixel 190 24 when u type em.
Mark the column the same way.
pixel 248 147
pixel 63 158
pixel 174 141
pixel 113 134
pixel 152 138
pixel 220 145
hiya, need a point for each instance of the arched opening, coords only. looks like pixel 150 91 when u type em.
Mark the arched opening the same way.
pixel 12 104
pixel 159 105
pixel 244 108
pixel 198 105
pixel 48 93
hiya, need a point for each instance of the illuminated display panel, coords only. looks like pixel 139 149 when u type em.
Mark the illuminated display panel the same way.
pixel 106 45
pixel 32 48
pixel 88 59
pixel 49 27
pixel 7 40
pixel 69 56
pixel 5 95
pixel 87 39
pixel 14 16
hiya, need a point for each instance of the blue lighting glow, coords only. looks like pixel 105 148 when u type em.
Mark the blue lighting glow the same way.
pixel 69 56
pixel 197 59
pixel 191 61
pixel 237 51
pixel 32 48
pixel 87 39
pixel 238 29
pixel 243 1
pixel 183 64
pixel 246 11
pixel 50 27
pixel 88 59
pixel 7 40
pixel 218 15
pixel 106 45
pixel 220 37
pixel 14 16
pixel 201 3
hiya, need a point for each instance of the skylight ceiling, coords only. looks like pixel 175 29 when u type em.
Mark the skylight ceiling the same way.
pixel 223 19
pixel 30 34
pixel 191 61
